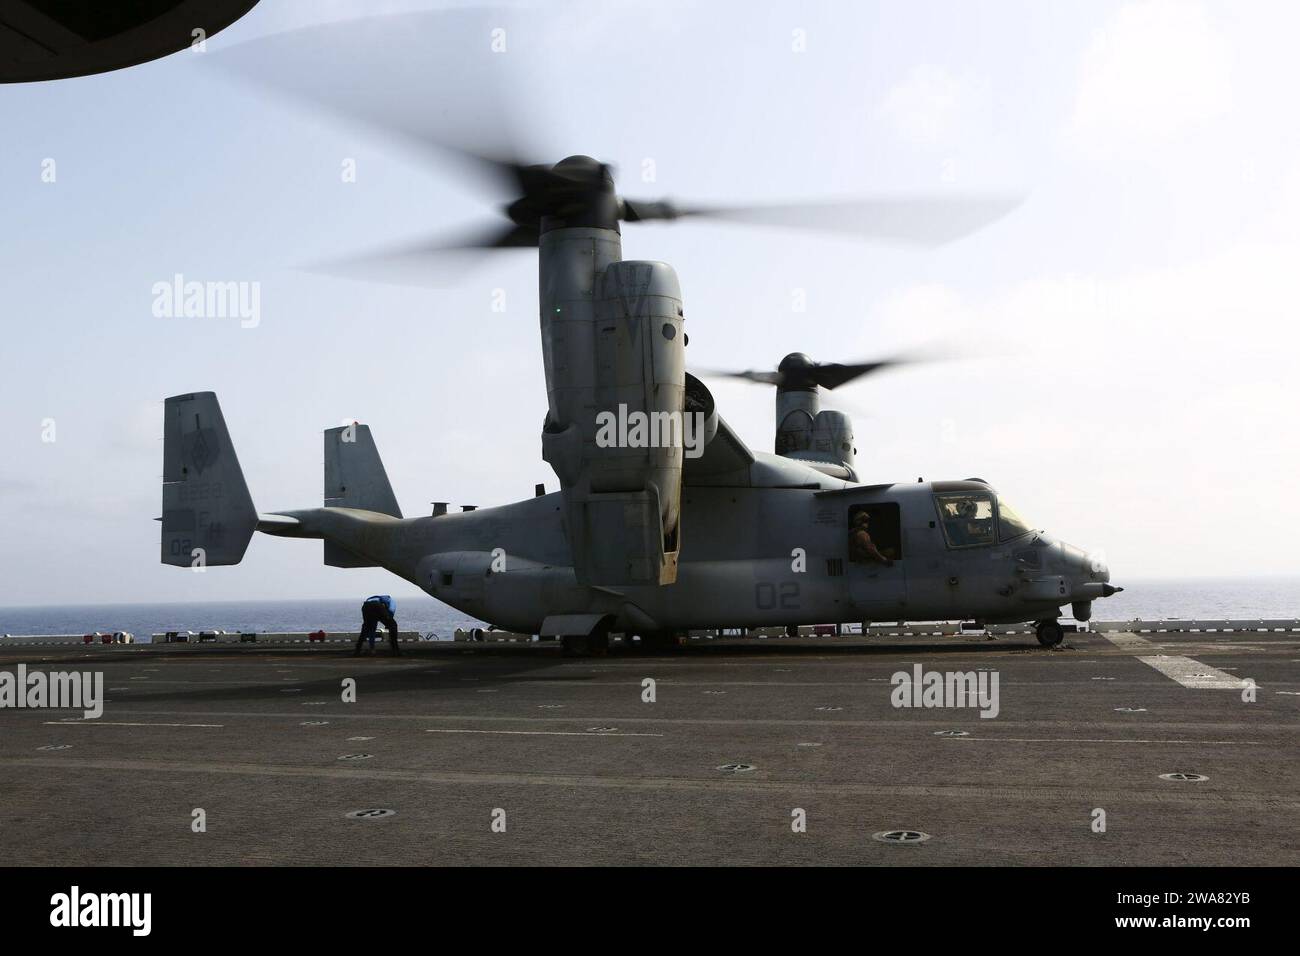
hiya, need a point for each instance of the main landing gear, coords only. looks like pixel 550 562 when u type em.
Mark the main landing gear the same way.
pixel 1050 633
pixel 595 644
pixel 659 640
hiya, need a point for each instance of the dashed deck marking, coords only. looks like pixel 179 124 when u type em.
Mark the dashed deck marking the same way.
pixel 1039 795
pixel 937 722
pixel 1106 740
pixel 1185 670
pixel 544 733
pixel 118 723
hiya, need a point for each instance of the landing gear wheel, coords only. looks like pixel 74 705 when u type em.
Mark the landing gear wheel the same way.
pixel 575 645
pixel 586 645
pixel 659 640
pixel 1050 633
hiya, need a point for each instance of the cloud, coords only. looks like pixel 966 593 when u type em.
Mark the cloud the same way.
pixel 1190 330
pixel 136 431
pixel 1157 70
pixel 1151 412
pixel 915 316
pixel 17 486
pixel 932 107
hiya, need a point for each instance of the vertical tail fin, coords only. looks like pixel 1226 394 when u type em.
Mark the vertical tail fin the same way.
pixel 208 516
pixel 355 478
pixel 354 474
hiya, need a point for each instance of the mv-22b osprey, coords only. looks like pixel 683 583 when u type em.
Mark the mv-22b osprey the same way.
pixel 647 537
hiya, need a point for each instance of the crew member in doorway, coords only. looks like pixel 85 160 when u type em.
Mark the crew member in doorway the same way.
pixel 861 547
pixel 377 609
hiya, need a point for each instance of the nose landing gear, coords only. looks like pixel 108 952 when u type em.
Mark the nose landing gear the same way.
pixel 1050 633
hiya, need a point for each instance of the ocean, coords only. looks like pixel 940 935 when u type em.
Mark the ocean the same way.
pixel 1237 598
pixel 1204 598
pixel 333 616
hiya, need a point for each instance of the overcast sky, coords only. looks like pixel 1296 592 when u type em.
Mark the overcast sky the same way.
pixel 1137 314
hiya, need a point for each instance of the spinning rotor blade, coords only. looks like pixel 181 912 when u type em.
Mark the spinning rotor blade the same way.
pixel 920 220
pixel 760 378
pixel 798 371
pixel 833 375
pixel 402 74
pixel 432 79
pixel 433 263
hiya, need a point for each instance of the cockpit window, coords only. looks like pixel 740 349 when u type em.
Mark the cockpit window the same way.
pixel 967 518
pixel 1010 524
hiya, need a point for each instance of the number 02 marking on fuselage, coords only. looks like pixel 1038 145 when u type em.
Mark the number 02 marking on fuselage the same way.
pixel 769 596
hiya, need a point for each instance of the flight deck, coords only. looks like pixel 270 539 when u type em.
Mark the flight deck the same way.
pixel 735 751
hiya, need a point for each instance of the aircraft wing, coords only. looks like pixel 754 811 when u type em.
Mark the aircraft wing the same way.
pixel 726 455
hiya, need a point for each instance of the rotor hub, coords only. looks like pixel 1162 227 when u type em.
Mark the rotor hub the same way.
pixel 576 191
pixel 798 373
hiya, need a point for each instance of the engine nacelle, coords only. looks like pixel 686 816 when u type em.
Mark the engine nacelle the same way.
pixel 832 436
pixel 619 456
pixel 808 432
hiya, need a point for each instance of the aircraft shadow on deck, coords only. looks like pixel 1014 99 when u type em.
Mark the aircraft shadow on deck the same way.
pixel 495 665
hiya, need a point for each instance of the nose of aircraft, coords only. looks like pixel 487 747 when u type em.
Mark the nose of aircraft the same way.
pixel 1087 573
pixel 1086 578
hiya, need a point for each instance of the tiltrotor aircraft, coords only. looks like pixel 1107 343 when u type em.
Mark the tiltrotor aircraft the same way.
pixel 665 519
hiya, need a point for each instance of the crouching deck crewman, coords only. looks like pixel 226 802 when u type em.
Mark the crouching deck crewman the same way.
pixel 375 610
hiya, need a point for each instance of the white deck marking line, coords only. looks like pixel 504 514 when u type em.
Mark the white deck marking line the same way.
pixel 892 722
pixel 1192 673
pixel 542 733
pixel 117 723
pixel 1103 740
pixel 1185 670
pixel 241 683
pixel 1127 639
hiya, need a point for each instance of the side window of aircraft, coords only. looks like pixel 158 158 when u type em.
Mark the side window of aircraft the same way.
pixel 967 519
pixel 875 532
pixel 1010 524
